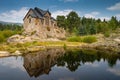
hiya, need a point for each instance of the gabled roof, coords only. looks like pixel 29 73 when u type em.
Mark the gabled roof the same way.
pixel 38 13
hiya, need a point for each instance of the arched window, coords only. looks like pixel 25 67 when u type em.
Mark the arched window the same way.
pixel 47 21
pixel 29 20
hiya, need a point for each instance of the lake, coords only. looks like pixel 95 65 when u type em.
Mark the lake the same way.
pixel 60 64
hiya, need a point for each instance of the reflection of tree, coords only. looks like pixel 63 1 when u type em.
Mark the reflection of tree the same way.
pixel 73 58
pixel 40 63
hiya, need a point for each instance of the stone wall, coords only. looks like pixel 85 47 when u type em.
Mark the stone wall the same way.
pixel 42 28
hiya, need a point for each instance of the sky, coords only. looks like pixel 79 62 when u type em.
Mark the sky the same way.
pixel 15 10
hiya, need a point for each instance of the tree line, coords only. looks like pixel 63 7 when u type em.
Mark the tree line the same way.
pixel 13 27
pixel 77 25
pixel 7 30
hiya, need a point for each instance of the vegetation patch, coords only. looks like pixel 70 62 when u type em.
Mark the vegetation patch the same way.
pixel 89 39
pixel 85 39
pixel 107 34
pixel 6 34
pixel 74 39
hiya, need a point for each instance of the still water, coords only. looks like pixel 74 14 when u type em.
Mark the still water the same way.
pixel 58 64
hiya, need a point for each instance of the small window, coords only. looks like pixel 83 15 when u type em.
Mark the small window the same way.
pixel 29 20
pixel 36 21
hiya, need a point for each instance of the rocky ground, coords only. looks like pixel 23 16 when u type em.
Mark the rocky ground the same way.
pixel 106 44
pixel 110 44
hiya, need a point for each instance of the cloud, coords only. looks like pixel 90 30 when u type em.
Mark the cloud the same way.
pixel 114 7
pixel 114 71
pixel 106 18
pixel 14 15
pixel 118 16
pixel 69 0
pixel 61 12
pixel 91 64
pixel 12 62
pixel 96 15
pixel 92 14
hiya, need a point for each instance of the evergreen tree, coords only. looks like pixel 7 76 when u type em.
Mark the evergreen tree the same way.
pixel 73 21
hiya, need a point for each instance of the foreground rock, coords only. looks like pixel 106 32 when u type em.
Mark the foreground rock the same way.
pixel 110 45
pixel 4 54
pixel 22 39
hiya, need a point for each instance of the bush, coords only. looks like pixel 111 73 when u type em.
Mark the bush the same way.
pixel 2 38
pixel 74 39
pixel 7 33
pixel 107 34
pixel 89 39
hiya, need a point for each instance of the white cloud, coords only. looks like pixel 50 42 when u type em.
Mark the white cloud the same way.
pixel 14 15
pixel 114 71
pixel 91 64
pixel 118 15
pixel 114 7
pixel 92 14
pixel 106 18
pixel 96 15
pixel 69 0
pixel 61 12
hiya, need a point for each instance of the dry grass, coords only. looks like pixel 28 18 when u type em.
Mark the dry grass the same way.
pixel 29 45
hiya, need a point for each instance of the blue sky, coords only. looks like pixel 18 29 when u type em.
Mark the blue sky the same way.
pixel 15 10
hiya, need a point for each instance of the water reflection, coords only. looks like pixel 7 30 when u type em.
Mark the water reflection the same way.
pixel 40 63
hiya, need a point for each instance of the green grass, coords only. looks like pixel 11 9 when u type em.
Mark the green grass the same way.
pixel 107 34
pixel 31 46
pixel 89 39
pixel 74 39
pixel 4 35
pixel 85 39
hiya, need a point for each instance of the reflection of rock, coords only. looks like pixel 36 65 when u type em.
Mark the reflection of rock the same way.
pixel 40 63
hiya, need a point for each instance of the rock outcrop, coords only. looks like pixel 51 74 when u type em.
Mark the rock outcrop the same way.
pixel 39 25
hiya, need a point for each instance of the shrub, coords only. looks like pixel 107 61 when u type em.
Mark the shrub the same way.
pixel 1 38
pixel 107 34
pixel 7 33
pixel 64 46
pixel 89 39
pixel 74 39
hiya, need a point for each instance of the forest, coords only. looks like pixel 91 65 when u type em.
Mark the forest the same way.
pixel 76 25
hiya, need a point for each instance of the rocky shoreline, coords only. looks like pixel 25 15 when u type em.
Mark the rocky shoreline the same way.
pixel 108 45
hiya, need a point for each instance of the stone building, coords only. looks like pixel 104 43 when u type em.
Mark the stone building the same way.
pixel 39 23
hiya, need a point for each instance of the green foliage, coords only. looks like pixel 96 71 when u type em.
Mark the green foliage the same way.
pixel 6 34
pixel 86 26
pixel 74 39
pixel 85 39
pixel 73 21
pixel 89 39
pixel 64 46
pixel 7 30
pixel 107 34
pixel 61 21
pixel 2 38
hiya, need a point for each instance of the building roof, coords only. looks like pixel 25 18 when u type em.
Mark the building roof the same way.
pixel 38 13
